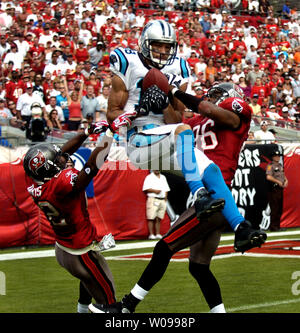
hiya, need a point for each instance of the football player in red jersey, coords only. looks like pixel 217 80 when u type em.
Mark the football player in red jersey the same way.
pixel 60 193
pixel 220 129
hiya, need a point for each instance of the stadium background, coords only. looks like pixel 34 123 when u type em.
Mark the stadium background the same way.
pixel 117 204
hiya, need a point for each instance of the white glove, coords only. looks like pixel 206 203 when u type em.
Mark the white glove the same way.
pixel 107 242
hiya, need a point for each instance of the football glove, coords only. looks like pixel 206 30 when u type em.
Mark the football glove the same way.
pixel 125 119
pixel 107 242
pixel 97 128
pixel 153 99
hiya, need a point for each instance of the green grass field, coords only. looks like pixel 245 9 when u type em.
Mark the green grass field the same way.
pixel 249 284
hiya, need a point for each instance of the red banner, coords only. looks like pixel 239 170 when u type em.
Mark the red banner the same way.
pixel 119 205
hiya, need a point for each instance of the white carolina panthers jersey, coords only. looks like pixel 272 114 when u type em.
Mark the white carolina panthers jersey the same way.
pixel 127 64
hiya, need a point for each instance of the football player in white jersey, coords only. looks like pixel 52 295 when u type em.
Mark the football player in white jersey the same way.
pixel 152 144
pixel 148 135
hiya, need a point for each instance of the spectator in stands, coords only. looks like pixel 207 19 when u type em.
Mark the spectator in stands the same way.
pixel 254 105
pixel 89 104
pixel 102 100
pixel 295 83
pixel 46 35
pixel 11 105
pixel 96 54
pixel 251 39
pixel 254 74
pixel 280 60
pixel 200 67
pixel 287 89
pixel 84 34
pixel 205 23
pixel 53 121
pixel 54 67
pixel 193 59
pixel 291 110
pixel 251 55
pixel 242 83
pixel 238 73
pixel 62 102
pixel 81 53
pixel 69 65
pixel 26 100
pixel 286 10
pixel 53 105
pixel 38 86
pixel 15 56
pixel 259 88
pixel 251 138
pixel 264 136
pixel 74 97
pixel 263 112
pixel 4 46
pixel 264 7
pixel 211 71
pixel 287 121
pixel 4 111
pixel 86 70
pixel 14 116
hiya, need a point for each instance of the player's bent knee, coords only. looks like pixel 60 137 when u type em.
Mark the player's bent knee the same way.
pixel 181 128
pixel 197 268
pixel 162 249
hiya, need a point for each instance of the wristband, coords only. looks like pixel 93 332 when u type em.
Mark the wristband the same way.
pixel 173 91
pixel 86 132
pixel 109 133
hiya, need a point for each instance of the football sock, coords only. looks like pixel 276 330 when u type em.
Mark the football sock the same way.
pixel 84 296
pixel 151 275
pixel 82 308
pixel 207 283
pixel 214 183
pixel 187 160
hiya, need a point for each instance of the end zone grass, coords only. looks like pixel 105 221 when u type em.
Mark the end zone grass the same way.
pixel 248 284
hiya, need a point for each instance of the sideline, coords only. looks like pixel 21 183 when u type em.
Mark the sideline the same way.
pixel 125 246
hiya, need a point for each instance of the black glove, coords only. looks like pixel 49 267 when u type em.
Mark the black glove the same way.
pixel 153 99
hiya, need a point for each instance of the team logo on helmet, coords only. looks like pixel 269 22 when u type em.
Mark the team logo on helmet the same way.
pixel 37 161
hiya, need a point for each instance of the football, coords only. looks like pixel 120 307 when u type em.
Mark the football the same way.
pixel 156 77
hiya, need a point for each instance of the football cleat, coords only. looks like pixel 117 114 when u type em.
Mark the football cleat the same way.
pixel 247 238
pixel 117 307
pixel 106 308
pixel 205 205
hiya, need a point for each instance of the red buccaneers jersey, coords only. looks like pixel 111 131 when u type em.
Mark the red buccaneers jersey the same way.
pixel 14 90
pixel 66 211
pixel 223 145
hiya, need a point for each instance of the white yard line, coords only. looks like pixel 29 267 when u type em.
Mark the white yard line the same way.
pixel 51 253
pixel 139 245
pixel 263 305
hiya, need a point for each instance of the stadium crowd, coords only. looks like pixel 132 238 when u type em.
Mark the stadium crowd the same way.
pixel 56 54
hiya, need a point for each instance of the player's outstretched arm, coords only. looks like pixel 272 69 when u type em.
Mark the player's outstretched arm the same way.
pixel 208 109
pixel 100 153
pixel 72 145
pixel 95 161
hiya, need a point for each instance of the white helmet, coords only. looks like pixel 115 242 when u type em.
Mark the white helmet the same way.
pixel 161 32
